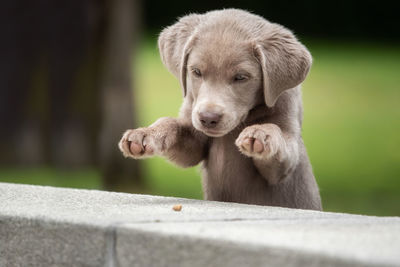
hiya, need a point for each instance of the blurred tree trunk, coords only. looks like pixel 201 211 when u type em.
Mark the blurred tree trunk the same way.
pixel 65 84
pixel 117 101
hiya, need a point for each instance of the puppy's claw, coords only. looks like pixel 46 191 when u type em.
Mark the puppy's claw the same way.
pixel 258 147
pixel 247 144
pixel 136 149
pixel 149 149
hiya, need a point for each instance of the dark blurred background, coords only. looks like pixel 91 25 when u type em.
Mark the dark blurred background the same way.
pixel 75 74
pixel 373 20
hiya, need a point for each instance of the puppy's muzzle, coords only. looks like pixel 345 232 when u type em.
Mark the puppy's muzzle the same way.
pixel 209 119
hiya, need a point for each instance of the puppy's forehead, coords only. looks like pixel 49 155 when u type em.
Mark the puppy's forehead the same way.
pixel 218 49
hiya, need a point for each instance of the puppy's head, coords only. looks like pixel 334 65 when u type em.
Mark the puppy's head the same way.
pixel 228 61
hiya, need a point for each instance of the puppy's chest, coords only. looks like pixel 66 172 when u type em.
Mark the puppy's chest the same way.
pixel 226 166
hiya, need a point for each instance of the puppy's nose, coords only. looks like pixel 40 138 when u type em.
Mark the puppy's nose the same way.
pixel 209 119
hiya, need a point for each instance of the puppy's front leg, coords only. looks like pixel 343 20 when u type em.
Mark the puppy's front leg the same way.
pixel 275 153
pixel 166 137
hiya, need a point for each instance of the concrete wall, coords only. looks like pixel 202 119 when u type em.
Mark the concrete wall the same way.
pixel 45 226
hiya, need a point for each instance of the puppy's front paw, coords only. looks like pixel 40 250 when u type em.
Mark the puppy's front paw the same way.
pixel 261 141
pixel 153 140
pixel 137 143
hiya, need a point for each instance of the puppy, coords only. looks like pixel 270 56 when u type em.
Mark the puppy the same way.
pixel 242 110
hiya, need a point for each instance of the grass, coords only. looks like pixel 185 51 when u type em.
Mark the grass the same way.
pixel 351 128
pixel 82 178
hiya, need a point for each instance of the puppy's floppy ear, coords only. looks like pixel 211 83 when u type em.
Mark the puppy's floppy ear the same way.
pixel 175 43
pixel 285 62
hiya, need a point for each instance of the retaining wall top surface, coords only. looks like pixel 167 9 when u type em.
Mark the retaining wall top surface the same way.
pixel 46 225
pixel 103 208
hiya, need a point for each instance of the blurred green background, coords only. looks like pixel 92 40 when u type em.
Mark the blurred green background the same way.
pixel 351 124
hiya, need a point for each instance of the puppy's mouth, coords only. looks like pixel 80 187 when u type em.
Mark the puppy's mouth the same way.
pixel 213 133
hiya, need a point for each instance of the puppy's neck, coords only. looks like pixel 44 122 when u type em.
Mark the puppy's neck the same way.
pixel 258 114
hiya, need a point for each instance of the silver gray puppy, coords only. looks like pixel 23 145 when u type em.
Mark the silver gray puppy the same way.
pixel 242 110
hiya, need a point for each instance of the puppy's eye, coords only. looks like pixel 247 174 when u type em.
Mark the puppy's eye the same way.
pixel 196 72
pixel 240 78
